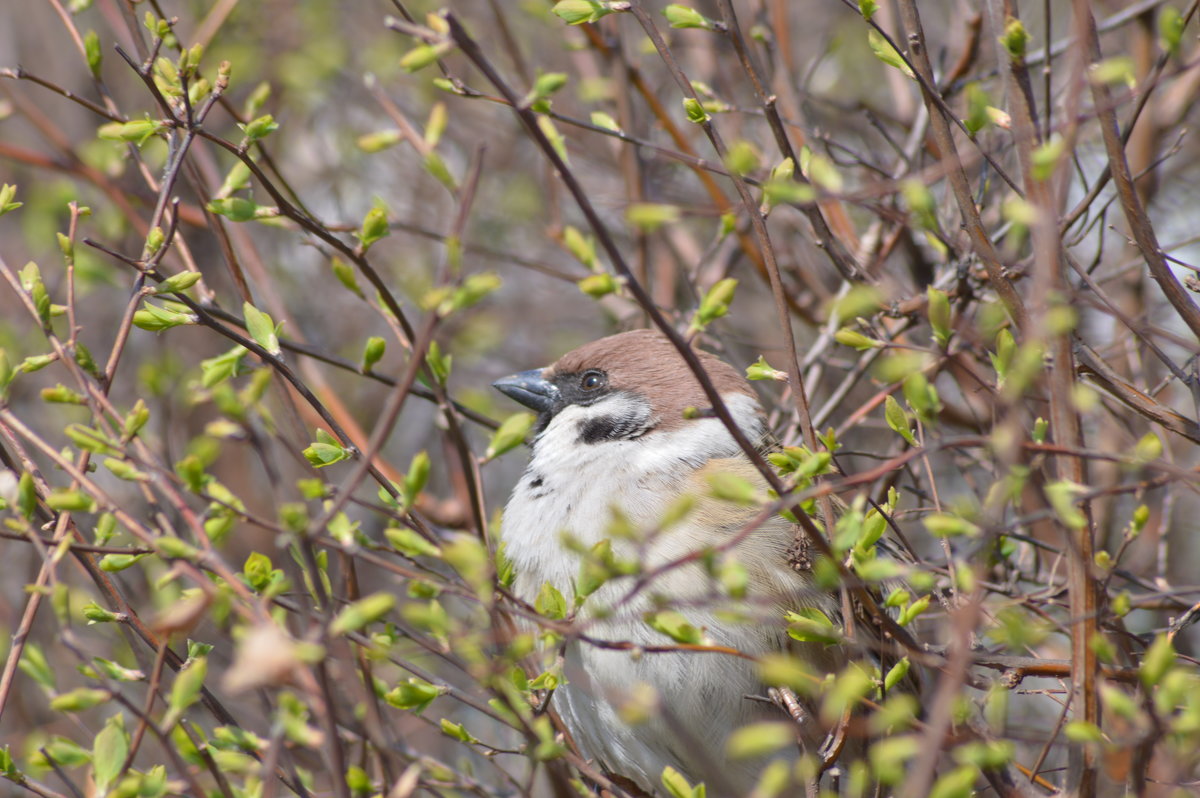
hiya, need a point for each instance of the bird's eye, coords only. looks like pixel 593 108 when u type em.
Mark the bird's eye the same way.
pixel 591 380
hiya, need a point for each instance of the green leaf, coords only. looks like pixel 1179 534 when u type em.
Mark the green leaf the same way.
pixel 820 170
pixel 890 755
pixel 79 700
pixel 810 625
pixel 760 739
pixel 7 372
pixel 856 340
pixel 436 125
pixel 373 352
pixel 1006 348
pixel 730 487
pixel 989 755
pixel 155 319
pixel 1137 522
pixel 91 440
pixel 1149 447
pixel 546 126
pixel 1117 702
pixel 581 246
pixel 680 16
pixel 261 328
pixel 742 157
pixel 109 751
pixel 577 12
pixel 378 141
pixel 409 543
pixel 506 570
pixel 457 731
pixel 215 370
pixel 125 470
pixel 921 204
pixel 715 303
pixel 921 396
pixel 958 783
pixel 94 613
pixel 70 501
pixel 259 128
pixel 236 179
pixel 1159 659
pixel 344 272
pixel 598 285
pixel 33 663
pixel 240 209
pixel 112 563
pixel 467 555
pixel 1045 158
pixel 783 188
pixel 675 626
pixel 1170 29
pixel 83 357
pixel 374 227
pixel 177 283
pixel 762 370
pixel 7 193
pixel 1080 731
pixel 472 290
pixel 136 131
pixel 550 602
pixel 1061 496
pixel 417 476
pixel 361 613
pixel 136 419
pixel 415 695
pixel 1015 39
pixel 438 363
pixel 324 454
pixel 436 167
pixel 510 435
pixel 186 689
pixel 695 111
pixel 939 315
pixel 678 787
pixel 423 55
pixel 595 570
pixel 898 419
pixel 93 53
pixel 544 85
pixel 977 108
pixel 8 768
pixel 945 525
pixel 886 53
pixel 63 752
pixel 896 673
pixel 912 611
pixel 649 216
pixel 603 120
pixel 257 570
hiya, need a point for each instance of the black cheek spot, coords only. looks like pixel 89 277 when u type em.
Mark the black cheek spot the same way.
pixel 536 482
pixel 603 428
pixel 614 428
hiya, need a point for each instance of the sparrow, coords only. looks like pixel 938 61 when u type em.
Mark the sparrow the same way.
pixel 619 445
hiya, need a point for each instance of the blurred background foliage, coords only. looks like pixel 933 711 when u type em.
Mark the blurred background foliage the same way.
pixel 486 253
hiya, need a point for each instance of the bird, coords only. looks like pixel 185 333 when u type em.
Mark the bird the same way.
pixel 621 442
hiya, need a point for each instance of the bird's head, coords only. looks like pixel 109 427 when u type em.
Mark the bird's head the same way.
pixel 628 386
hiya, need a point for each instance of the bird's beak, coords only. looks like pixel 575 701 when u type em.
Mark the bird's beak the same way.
pixel 530 389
